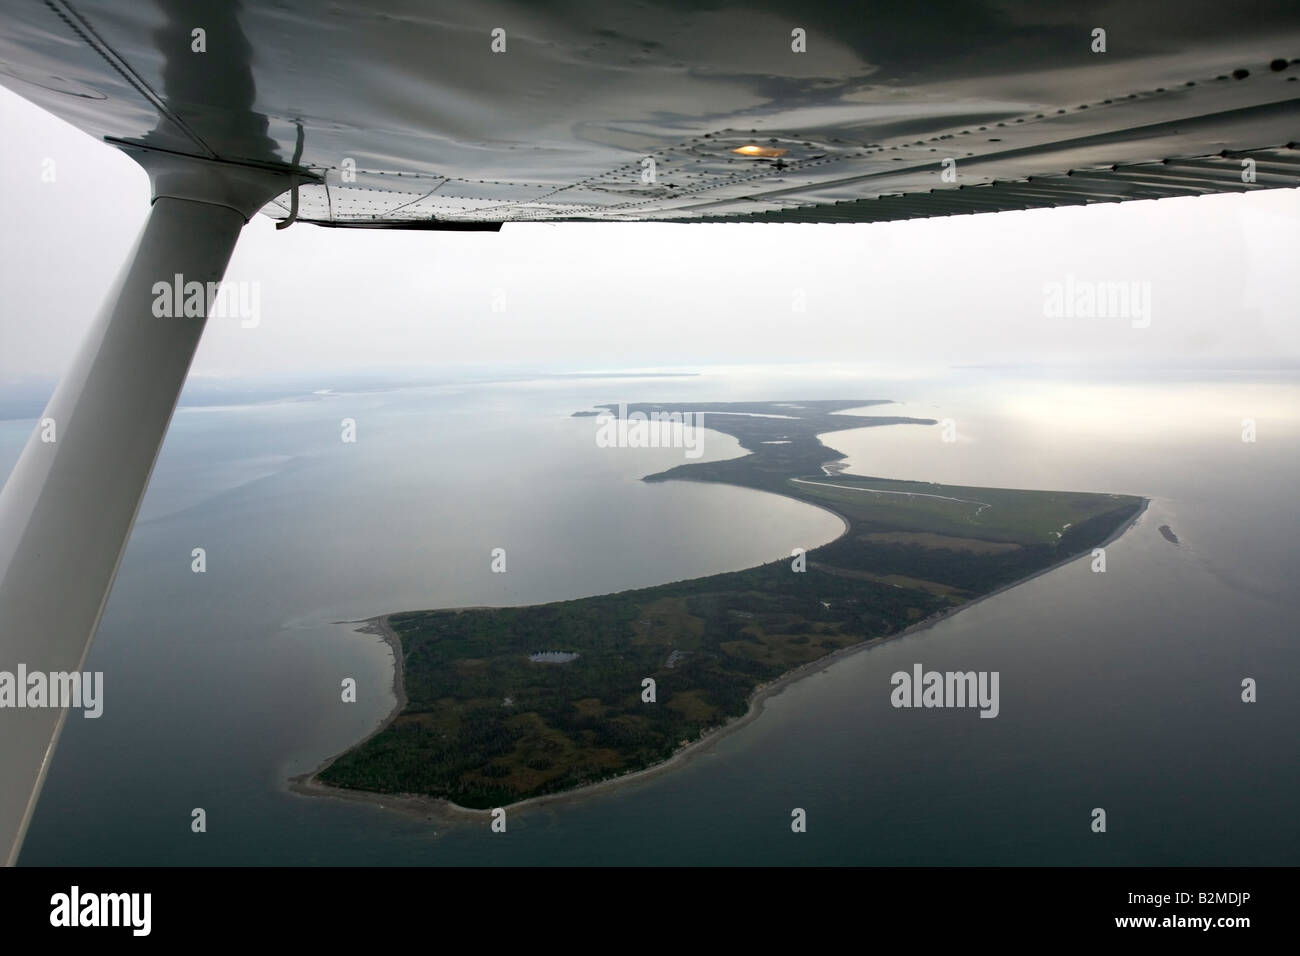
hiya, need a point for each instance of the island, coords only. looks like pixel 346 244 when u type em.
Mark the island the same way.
pixel 502 705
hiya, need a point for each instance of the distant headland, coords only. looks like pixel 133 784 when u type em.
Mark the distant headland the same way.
pixel 485 718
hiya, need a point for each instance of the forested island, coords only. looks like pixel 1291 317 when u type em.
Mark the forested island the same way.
pixel 499 705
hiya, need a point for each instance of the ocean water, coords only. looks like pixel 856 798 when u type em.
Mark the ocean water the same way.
pixel 1119 690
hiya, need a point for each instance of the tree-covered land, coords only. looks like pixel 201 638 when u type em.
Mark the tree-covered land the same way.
pixel 484 725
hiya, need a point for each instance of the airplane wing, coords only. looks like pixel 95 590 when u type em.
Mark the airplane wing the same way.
pixel 470 114
pixel 466 115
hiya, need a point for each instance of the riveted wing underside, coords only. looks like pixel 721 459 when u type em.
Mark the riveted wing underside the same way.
pixel 485 113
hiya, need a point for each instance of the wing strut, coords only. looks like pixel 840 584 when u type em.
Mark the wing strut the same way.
pixel 68 506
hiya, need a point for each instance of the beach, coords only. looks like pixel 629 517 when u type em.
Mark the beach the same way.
pixel 442 811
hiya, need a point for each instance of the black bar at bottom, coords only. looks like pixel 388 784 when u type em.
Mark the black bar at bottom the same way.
pixel 242 905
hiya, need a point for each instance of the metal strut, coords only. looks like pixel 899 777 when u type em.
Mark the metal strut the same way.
pixel 68 506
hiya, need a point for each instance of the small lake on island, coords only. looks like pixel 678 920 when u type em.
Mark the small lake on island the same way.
pixel 1118 690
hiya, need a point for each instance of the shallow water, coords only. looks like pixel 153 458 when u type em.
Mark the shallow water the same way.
pixel 1118 690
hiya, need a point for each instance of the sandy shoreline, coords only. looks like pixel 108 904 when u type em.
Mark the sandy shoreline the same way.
pixel 444 811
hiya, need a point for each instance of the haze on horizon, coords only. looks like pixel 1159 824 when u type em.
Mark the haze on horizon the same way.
pixel 967 290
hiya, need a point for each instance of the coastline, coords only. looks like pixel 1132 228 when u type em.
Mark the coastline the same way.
pixel 436 809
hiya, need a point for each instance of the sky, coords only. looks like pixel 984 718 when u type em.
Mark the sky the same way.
pixel 1213 282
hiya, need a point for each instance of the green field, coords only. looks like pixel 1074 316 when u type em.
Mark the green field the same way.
pixel 485 726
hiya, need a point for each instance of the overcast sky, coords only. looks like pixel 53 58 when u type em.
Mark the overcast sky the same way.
pixel 1223 277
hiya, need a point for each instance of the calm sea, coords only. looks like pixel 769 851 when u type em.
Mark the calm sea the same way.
pixel 1119 690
